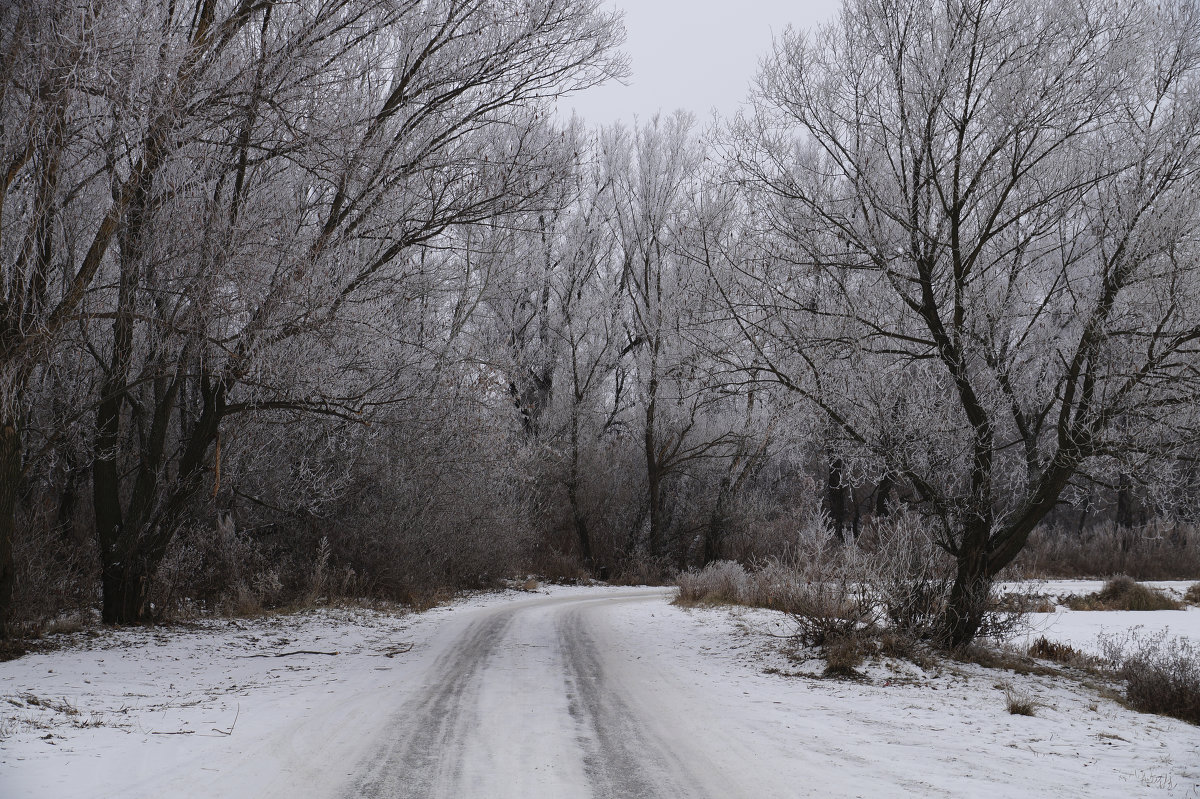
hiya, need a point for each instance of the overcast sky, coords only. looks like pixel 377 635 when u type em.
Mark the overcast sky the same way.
pixel 693 54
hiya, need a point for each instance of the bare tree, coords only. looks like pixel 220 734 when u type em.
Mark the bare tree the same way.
pixel 555 328
pixel 654 180
pixel 980 223
pixel 57 214
pixel 252 175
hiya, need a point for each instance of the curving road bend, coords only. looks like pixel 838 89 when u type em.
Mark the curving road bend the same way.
pixel 544 698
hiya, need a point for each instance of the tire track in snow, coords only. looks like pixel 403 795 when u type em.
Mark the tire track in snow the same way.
pixel 621 758
pixel 614 752
pixel 425 762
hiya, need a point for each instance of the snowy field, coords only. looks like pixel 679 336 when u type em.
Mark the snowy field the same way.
pixel 565 692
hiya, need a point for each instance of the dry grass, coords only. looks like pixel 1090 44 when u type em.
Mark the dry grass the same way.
pixel 558 568
pixel 1044 649
pixel 1158 550
pixel 1192 596
pixel 1016 602
pixel 1002 658
pixel 1019 704
pixel 1123 593
pixel 844 655
pixel 721 583
pixel 1162 675
pixel 823 601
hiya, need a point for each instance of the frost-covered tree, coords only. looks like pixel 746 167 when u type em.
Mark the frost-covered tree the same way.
pixel 980 219
pixel 674 318
pixel 248 184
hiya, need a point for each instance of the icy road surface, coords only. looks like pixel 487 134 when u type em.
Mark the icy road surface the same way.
pixel 577 692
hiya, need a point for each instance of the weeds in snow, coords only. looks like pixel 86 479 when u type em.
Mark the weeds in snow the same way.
pixel 1123 593
pixel 1045 649
pixel 843 656
pixel 1162 674
pixel 1018 703
pixel 1192 597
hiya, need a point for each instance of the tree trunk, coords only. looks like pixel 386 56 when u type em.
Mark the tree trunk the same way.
pixel 126 590
pixel 653 486
pixel 581 530
pixel 577 517
pixel 1124 504
pixel 883 496
pixel 836 497
pixel 969 594
pixel 714 533
pixel 10 486
pixel 135 537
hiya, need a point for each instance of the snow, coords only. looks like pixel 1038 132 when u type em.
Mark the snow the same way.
pixel 1082 629
pixel 156 704
pixel 569 691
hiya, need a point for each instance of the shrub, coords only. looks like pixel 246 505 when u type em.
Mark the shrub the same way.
pixel 1162 675
pixel 824 600
pixel 895 644
pixel 828 612
pixel 844 655
pixel 53 565
pixel 1123 593
pixel 829 592
pixel 911 576
pixel 721 582
pixel 895 578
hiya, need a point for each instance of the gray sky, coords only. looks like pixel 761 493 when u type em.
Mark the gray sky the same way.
pixel 693 54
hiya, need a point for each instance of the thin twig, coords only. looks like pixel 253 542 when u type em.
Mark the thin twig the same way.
pixel 286 654
pixel 237 713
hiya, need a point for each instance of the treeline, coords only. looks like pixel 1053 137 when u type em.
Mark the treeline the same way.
pixel 304 298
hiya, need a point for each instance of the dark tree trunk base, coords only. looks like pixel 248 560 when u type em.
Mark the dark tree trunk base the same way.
pixel 10 481
pixel 968 600
pixel 126 597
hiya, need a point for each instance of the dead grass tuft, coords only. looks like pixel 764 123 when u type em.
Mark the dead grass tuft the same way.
pixel 1193 594
pixel 1124 593
pixel 1045 649
pixel 1018 703
pixel 844 655
pixel 1003 659
pixel 896 644
pixel 721 583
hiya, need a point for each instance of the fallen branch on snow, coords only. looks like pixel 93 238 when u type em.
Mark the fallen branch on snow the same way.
pixel 286 654
pixel 231 726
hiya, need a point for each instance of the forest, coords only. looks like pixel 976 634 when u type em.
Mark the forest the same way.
pixel 323 298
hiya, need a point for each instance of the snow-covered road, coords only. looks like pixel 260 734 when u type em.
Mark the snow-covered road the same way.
pixel 543 698
pixel 575 692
